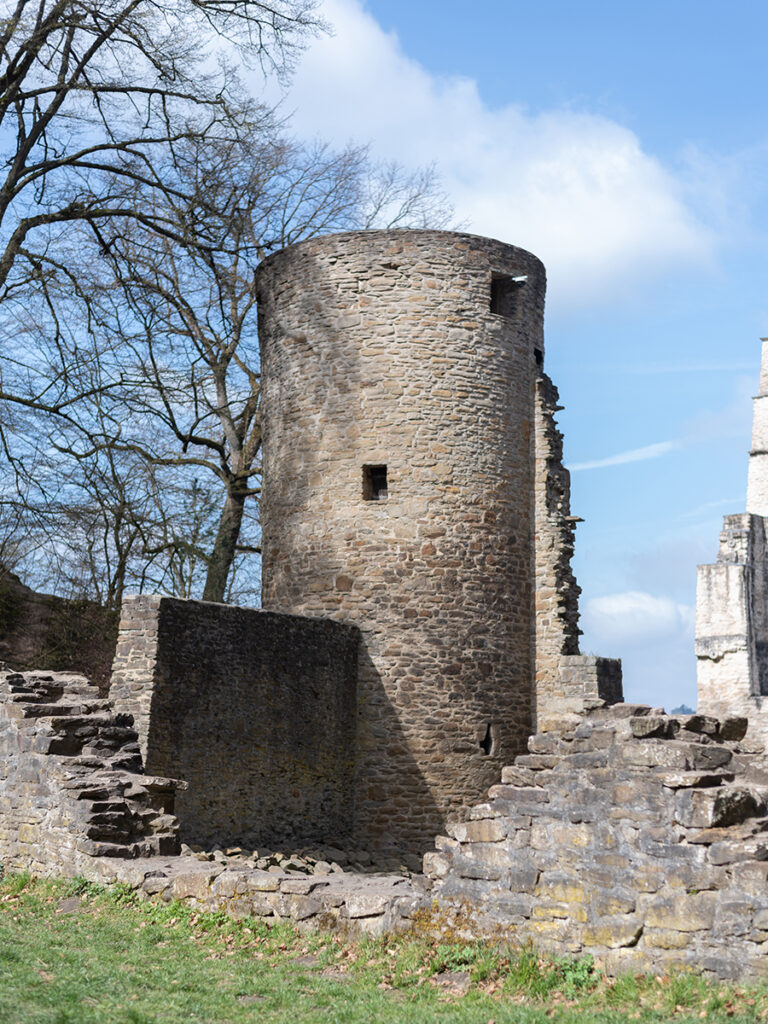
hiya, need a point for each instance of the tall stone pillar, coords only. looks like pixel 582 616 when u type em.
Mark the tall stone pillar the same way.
pixel 732 598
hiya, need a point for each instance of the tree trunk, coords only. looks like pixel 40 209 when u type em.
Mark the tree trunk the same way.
pixel 224 547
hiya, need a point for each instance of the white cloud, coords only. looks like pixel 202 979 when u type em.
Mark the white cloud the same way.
pixel 653 636
pixel 648 451
pixel 575 188
pixel 635 617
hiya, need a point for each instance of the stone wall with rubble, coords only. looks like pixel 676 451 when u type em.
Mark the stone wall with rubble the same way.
pixel 43 631
pixel 417 352
pixel 636 836
pixel 556 592
pixel 254 710
pixel 72 788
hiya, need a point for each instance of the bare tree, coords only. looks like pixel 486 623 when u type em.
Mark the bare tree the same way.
pixel 186 310
pixel 95 96
pixel 135 211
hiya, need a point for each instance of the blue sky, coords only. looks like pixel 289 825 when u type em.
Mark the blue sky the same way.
pixel 626 144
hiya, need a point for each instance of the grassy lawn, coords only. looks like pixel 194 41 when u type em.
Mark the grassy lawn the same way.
pixel 71 953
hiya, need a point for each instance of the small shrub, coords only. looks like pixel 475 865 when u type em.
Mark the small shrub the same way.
pixel 577 975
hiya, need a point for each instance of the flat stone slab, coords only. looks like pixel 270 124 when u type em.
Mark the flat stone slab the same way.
pixel 348 899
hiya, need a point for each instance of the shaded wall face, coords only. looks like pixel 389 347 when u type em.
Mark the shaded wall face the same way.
pixel 43 631
pixel 382 350
pixel 255 711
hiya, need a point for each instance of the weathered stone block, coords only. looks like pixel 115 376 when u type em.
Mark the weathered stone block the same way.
pixel 671 754
pixel 666 938
pixel 714 807
pixel 683 912
pixel 436 865
pixel 482 831
pixel 365 905
pixel 613 902
pixel 195 884
pixel 731 852
pixel 613 932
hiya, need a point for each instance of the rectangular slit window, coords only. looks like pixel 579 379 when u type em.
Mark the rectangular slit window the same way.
pixel 504 294
pixel 374 483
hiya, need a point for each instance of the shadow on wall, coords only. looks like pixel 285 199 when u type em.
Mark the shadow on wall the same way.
pixel 256 712
pixel 262 715
pixel 389 783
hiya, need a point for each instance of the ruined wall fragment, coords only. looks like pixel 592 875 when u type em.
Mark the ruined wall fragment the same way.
pixel 254 710
pixel 72 787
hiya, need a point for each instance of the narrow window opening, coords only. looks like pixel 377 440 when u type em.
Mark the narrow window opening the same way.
pixel 539 356
pixel 374 483
pixel 486 743
pixel 504 294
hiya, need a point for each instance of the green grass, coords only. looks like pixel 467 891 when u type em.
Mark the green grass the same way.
pixel 113 959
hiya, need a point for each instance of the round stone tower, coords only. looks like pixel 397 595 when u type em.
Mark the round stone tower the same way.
pixel 398 406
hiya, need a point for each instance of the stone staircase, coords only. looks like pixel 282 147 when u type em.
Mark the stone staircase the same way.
pixel 636 836
pixel 71 778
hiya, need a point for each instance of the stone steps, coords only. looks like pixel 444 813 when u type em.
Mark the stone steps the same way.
pixel 95 766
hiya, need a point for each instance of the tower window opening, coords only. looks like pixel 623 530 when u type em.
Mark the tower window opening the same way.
pixel 374 483
pixel 504 294
pixel 539 356
pixel 486 743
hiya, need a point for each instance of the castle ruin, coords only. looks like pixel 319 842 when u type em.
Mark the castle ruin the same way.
pixel 414 491
pixel 732 597
pixel 421 621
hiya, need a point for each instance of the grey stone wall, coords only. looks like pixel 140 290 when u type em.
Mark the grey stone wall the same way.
pixel 732 598
pixel 72 788
pixel 732 626
pixel 254 710
pixel 556 590
pixel 383 349
pixel 626 833
pixel 43 631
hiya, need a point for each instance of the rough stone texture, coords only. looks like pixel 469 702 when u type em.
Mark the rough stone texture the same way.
pixel 42 631
pixel 732 598
pixel 555 588
pixel 584 680
pixel 639 837
pixel 381 349
pixel 254 710
pixel 71 784
pixel 732 626
pixel 354 904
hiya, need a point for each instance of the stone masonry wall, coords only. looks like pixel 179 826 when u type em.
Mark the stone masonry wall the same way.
pixel 72 789
pixel 556 590
pixel 254 710
pixel 43 631
pixel 732 626
pixel 639 837
pixel 416 351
